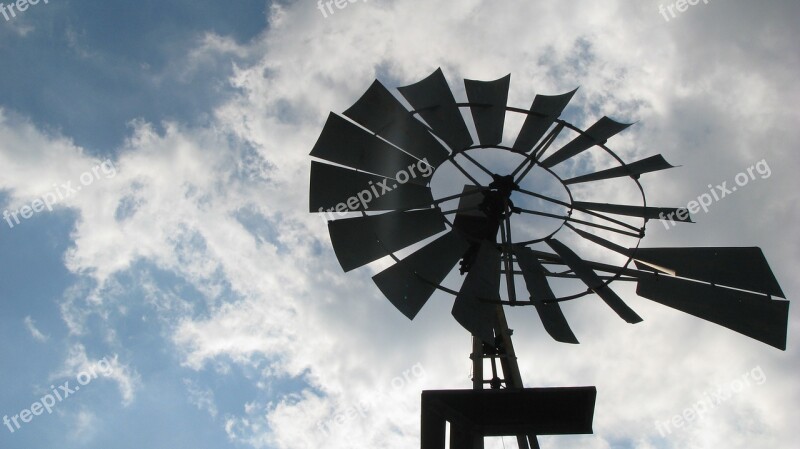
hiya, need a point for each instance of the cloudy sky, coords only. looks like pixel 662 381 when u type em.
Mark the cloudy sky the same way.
pixel 162 257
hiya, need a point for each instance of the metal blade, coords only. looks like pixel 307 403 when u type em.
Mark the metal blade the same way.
pixel 598 133
pixel 743 268
pixel 345 143
pixel 650 164
pixel 361 240
pixel 756 316
pixel 409 283
pixel 652 213
pixel 434 102
pixel 544 111
pixel 489 100
pixel 379 111
pixel 597 266
pixel 342 190
pixel 551 315
pixel 482 282
pixel 590 278
pixel 601 241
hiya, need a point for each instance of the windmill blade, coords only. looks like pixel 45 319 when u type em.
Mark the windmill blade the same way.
pixel 360 240
pixel 597 266
pixel 482 282
pixel 409 283
pixel 383 114
pixel 647 165
pixel 433 100
pixel 598 133
pixel 343 190
pixel 755 316
pixel 601 241
pixel 590 278
pixel 544 111
pixel 650 213
pixel 489 99
pixel 345 143
pixel 550 313
pixel 742 268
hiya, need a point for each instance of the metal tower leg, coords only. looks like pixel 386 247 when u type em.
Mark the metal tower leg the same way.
pixel 503 351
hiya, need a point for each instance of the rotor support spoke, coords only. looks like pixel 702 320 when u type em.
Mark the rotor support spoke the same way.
pixel 476 163
pixel 545 197
pixel 465 172
pixel 530 161
pixel 579 221
pixel 539 151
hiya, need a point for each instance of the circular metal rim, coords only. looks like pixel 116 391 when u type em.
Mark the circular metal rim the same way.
pixel 616 276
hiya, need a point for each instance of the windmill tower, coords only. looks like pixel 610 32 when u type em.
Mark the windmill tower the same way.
pixel 518 225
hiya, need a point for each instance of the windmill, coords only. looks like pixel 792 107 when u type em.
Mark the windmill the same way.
pixel 514 221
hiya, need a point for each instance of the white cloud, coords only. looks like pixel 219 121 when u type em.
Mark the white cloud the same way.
pixel 202 398
pixel 706 97
pixel 78 363
pixel 35 333
pixel 84 426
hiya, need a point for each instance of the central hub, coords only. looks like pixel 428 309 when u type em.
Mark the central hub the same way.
pixel 536 204
pixel 497 201
pixel 503 184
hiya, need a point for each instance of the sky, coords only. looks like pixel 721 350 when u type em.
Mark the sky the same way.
pixel 163 285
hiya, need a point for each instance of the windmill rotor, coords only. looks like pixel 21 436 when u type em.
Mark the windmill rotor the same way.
pixel 513 218
pixel 479 225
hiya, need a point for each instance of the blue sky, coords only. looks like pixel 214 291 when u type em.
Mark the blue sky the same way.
pixel 87 68
pixel 187 263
